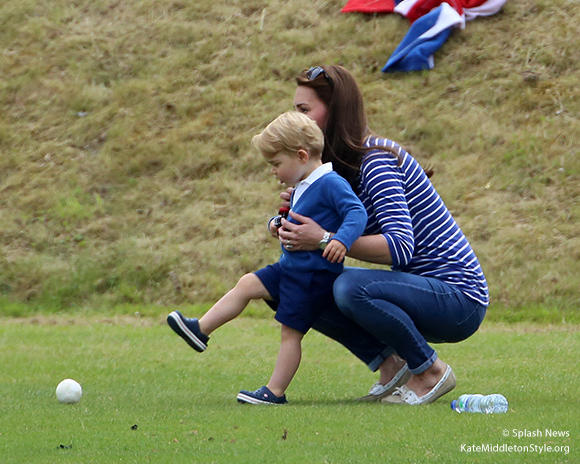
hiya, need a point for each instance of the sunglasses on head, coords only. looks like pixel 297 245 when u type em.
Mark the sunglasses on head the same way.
pixel 316 71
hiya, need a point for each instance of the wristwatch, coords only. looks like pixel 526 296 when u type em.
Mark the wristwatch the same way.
pixel 322 244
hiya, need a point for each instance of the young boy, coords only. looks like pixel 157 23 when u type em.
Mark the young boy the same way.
pixel 300 283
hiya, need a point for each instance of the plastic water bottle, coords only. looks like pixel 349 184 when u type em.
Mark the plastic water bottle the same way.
pixel 489 404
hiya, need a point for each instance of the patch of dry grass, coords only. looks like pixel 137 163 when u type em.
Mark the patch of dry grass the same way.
pixel 125 155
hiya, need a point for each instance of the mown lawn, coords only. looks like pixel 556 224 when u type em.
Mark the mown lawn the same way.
pixel 150 398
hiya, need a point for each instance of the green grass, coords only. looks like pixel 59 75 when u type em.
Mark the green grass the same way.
pixel 126 126
pixel 134 371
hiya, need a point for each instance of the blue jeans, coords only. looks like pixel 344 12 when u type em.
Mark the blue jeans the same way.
pixel 382 312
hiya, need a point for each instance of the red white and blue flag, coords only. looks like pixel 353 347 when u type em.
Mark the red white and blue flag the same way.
pixel 370 6
pixel 432 21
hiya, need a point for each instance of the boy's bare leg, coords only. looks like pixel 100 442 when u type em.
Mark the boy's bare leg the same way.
pixel 287 362
pixel 249 287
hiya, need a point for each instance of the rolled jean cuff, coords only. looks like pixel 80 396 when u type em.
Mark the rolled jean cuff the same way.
pixel 426 365
pixel 375 363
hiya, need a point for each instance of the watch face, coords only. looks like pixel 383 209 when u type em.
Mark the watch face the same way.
pixel 278 221
pixel 322 244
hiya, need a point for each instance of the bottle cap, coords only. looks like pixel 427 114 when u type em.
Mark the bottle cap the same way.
pixel 454 404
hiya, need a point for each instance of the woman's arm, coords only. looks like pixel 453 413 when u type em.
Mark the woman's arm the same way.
pixel 308 234
pixel 372 249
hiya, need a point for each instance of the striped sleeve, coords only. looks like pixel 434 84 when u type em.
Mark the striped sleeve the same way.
pixel 383 184
pixel 423 237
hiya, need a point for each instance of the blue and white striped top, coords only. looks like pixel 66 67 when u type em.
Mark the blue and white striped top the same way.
pixel 405 208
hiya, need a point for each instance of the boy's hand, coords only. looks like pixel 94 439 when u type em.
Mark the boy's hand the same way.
pixel 273 229
pixel 335 251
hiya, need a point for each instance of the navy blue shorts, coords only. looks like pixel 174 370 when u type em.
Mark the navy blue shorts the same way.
pixel 299 297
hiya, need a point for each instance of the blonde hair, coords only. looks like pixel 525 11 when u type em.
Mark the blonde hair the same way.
pixel 291 131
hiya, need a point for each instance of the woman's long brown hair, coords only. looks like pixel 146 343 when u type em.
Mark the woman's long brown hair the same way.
pixel 346 126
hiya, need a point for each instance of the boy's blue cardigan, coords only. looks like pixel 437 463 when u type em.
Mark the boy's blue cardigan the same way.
pixel 330 202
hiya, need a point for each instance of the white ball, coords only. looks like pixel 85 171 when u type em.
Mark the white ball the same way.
pixel 69 391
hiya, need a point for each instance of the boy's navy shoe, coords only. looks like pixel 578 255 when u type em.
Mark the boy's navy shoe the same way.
pixel 261 396
pixel 188 329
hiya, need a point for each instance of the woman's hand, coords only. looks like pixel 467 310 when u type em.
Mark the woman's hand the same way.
pixel 305 236
pixel 286 197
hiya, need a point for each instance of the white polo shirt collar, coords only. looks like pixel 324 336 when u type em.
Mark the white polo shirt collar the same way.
pixel 313 177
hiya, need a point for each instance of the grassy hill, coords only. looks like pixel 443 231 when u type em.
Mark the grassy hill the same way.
pixel 126 173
